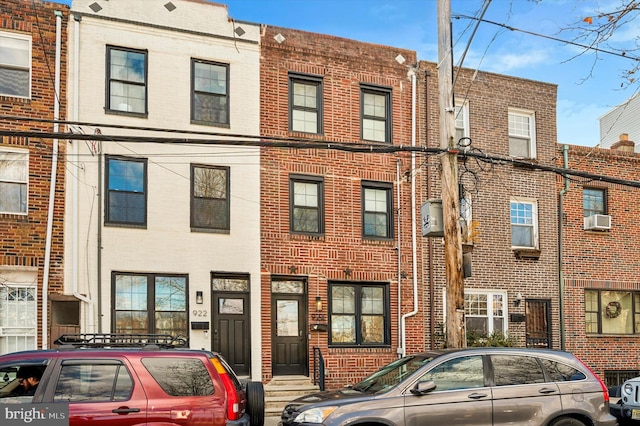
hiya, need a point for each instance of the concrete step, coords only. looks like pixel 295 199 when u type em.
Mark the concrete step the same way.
pixel 283 389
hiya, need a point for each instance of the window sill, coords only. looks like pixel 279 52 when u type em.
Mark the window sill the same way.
pixel 211 124
pixel 526 253
pixel 310 237
pixel 125 225
pixel 211 230
pixel 126 113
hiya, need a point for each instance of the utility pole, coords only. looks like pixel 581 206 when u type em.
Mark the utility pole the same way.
pixel 456 336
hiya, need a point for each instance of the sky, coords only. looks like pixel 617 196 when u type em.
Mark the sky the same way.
pixel 589 84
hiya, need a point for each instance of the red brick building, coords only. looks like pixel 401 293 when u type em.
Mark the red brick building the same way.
pixel 336 225
pixel 600 265
pixel 31 237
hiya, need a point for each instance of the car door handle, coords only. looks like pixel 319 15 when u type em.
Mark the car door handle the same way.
pixel 547 390
pixel 125 410
pixel 476 395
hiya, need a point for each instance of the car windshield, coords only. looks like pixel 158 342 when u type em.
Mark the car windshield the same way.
pixel 392 374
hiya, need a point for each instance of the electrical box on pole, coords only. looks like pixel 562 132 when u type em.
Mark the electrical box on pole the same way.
pixel 431 218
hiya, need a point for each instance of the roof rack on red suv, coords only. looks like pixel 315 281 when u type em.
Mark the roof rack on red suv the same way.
pixel 113 340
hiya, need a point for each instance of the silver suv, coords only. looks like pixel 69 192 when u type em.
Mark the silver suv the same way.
pixel 627 402
pixel 481 386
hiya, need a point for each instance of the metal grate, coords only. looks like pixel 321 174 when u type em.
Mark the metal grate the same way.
pixel 618 377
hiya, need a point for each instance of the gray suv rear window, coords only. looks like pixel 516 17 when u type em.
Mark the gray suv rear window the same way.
pixel 180 376
pixel 516 370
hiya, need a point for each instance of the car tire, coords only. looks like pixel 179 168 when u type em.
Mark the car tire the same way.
pixel 567 421
pixel 255 403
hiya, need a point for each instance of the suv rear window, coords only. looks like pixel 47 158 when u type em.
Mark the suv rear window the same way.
pixel 93 381
pixel 180 376
pixel 561 372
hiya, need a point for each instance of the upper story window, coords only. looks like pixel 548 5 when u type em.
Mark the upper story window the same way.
pixel 522 134
pixel 126 191
pixel 14 172
pixel 377 216
pixel 462 122
pixel 210 93
pixel 15 65
pixel 524 223
pixel 210 205
pixel 612 312
pixel 376 113
pixel 126 80
pixel 359 314
pixel 485 312
pixel 305 104
pixel 594 201
pixel 307 204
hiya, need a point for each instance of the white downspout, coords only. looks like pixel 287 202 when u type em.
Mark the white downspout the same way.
pixel 414 254
pixel 75 185
pixel 52 187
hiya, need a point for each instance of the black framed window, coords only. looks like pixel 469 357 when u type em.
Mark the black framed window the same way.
pixel 375 106
pixel 594 201
pixel 377 213
pixel 126 191
pixel 359 314
pixel 307 204
pixel 209 93
pixel 126 80
pixel 149 303
pixel 612 311
pixel 210 205
pixel 305 104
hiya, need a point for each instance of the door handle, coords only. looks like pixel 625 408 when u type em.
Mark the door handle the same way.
pixel 476 395
pixel 125 410
pixel 547 390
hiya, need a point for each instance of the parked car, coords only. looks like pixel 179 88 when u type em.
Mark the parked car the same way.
pixel 122 380
pixel 626 402
pixel 480 386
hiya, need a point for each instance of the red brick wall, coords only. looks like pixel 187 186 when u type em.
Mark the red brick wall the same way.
pixel 343 65
pixel 23 238
pixel 600 260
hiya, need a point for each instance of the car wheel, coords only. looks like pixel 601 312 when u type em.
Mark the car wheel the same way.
pixel 567 421
pixel 255 403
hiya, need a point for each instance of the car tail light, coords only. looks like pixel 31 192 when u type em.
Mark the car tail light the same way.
pixel 233 402
pixel 605 391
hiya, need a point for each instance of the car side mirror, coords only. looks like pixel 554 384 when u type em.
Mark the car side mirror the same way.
pixel 423 388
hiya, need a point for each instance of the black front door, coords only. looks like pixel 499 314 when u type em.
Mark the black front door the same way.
pixel 289 333
pixel 231 331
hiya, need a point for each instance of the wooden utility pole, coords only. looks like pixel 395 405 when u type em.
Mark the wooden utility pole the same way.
pixel 456 336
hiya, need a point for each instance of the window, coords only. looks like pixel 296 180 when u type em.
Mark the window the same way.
pixel 485 312
pixel 14 172
pixel 377 219
pixel 376 113
pixel 594 201
pixel 18 315
pixel 462 123
pixel 209 93
pixel 126 191
pixel 465 372
pixel 522 134
pixel 307 209
pixel 210 205
pixel 466 217
pixel 15 65
pixel 126 80
pixel 524 223
pixel 149 303
pixel 305 104
pixel 511 370
pixel 612 312
pixel 180 376
pixel 359 314
pixel 81 381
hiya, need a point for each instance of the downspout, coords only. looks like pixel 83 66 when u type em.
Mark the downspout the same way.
pixel 400 349
pixel 432 291
pixel 52 187
pixel 565 157
pixel 414 254
pixel 75 183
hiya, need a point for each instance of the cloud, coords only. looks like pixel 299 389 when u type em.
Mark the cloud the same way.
pixel 579 123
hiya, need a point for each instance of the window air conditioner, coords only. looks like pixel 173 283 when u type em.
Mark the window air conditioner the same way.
pixel 597 222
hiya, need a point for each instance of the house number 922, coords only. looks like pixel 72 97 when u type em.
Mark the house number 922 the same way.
pixel 199 313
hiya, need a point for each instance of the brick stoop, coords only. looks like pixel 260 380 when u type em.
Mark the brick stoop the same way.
pixel 283 389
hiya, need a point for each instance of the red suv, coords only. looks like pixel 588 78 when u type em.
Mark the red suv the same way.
pixel 122 380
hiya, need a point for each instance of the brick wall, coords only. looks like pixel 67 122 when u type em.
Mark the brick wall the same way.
pixel 23 238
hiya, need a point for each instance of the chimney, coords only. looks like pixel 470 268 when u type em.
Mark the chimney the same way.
pixel 624 144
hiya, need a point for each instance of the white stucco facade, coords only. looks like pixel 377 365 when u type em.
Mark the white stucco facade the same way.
pixel 171 35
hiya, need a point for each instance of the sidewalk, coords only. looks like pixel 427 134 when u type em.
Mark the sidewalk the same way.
pixel 271 421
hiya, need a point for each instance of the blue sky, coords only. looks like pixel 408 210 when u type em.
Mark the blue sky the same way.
pixel 588 86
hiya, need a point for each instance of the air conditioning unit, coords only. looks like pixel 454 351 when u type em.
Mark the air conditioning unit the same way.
pixel 597 222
